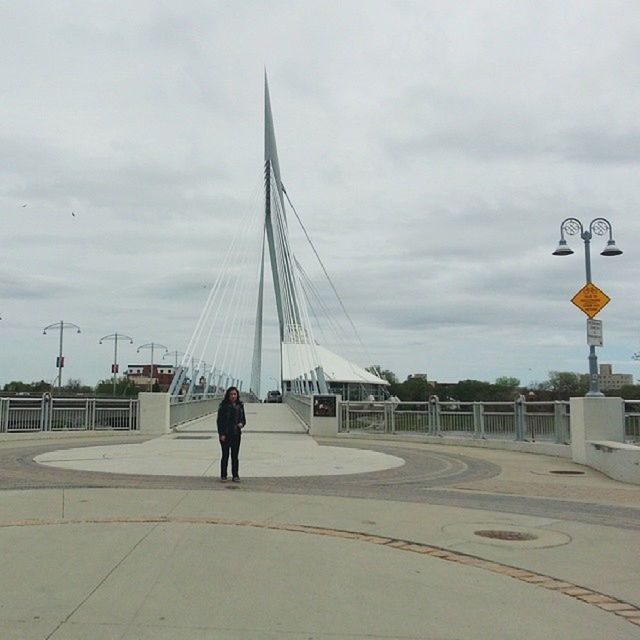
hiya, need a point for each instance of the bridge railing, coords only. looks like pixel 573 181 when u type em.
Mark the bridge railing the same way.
pixel 181 410
pixel 632 420
pixel 47 413
pixel 519 420
pixel 301 405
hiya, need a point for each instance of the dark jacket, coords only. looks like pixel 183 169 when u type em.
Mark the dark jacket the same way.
pixel 230 415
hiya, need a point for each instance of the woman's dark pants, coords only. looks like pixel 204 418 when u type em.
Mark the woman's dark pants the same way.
pixel 230 444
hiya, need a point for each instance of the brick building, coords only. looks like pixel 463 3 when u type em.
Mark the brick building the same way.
pixel 610 381
pixel 161 380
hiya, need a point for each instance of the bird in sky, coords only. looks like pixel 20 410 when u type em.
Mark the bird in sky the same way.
pixel 23 206
pixel 73 214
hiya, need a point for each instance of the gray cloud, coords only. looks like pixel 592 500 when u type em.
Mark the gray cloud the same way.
pixel 431 151
pixel 490 141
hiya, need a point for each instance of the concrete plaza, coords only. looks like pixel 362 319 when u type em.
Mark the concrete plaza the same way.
pixel 138 539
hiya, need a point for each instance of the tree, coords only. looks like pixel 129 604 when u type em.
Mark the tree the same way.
pixel 506 381
pixel 413 390
pixel 628 392
pixel 472 390
pixel 562 385
pixel 17 386
pixel 74 385
pixel 124 387
pixel 385 374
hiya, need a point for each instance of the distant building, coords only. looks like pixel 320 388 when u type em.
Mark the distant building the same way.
pixel 160 381
pixel 610 381
pixel 421 376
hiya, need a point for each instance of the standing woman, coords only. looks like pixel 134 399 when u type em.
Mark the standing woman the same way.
pixel 230 421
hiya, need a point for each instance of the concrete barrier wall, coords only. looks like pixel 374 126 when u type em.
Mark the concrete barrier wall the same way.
pixel 300 405
pixel 158 415
pixel 597 438
pixel 618 460
pixel 154 413
pixel 303 407
pixel 325 426
pixel 182 412
pixel 594 418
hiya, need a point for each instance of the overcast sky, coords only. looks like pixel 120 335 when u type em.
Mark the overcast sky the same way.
pixel 432 150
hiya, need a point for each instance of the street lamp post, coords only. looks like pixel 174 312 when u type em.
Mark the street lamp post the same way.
pixel 175 354
pixel 152 346
pixel 62 326
pixel 599 227
pixel 114 369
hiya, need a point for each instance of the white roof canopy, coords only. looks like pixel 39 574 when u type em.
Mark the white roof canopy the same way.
pixel 299 359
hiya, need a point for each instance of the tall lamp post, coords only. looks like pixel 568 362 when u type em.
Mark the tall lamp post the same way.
pixel 175 354
pixel 114 367
pixel 152 346
pixel 60 360
pixel 598 227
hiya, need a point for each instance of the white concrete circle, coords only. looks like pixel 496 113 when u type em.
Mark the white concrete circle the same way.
pixel 262 455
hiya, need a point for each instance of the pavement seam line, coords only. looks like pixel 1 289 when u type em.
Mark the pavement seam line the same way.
pixel 103 580
pixel 603 601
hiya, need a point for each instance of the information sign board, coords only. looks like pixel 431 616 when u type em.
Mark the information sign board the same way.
pixel 594 332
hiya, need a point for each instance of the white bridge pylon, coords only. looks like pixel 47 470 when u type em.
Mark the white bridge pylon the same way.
pixel 223 326
pixel 293 315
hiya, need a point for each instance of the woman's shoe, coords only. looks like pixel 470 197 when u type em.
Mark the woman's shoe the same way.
pixel 236 479
pixel 223 479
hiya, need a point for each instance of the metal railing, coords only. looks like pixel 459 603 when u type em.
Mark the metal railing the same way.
pixel 47 413
pixel 519 420
pixel 183 409
pixel 632 420
pixel 301 405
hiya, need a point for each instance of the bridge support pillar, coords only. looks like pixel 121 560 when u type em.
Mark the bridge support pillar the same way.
pixel 325 412
pixel 594 418
pixel 154 413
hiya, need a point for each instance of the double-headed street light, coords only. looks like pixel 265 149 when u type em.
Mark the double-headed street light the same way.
pixel 175 354
pixel 598 227
pixel 60 360
pixel 114 367
pixel 152 346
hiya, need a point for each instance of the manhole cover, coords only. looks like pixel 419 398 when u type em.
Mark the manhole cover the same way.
pixel 567 472
pixel 497 534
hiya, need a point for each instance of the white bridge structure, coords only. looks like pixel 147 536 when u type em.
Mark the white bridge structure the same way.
pixel 219 340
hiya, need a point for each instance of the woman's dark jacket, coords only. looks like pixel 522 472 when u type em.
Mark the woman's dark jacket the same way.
pixel 230 415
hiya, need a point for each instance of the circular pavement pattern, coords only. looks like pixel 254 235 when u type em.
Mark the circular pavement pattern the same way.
pixel 426 477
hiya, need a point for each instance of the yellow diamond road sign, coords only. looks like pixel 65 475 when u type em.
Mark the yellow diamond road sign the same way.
pixel 591 300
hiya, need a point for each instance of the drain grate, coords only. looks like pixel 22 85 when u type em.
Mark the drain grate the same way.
pixel 497 534
pixel 567 472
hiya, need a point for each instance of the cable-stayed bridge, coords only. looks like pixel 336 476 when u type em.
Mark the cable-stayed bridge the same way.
pixel 219 353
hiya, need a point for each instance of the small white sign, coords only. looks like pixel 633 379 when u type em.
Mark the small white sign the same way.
pixel 594 332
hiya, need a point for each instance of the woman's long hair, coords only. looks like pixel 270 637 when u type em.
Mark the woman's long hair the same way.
pixel 226 399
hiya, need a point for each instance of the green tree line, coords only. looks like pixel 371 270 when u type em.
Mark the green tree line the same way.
pixel 124 387
pixel 560 385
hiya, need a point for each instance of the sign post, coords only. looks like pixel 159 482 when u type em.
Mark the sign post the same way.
pixel 591 301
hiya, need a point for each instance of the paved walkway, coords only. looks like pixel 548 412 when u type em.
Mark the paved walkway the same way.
pixel 268 449
pixel 375 552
